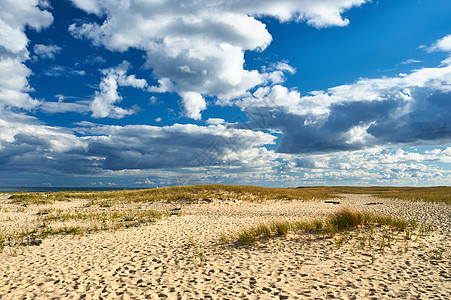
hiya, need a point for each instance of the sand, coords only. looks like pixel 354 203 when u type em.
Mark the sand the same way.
pixel 179 257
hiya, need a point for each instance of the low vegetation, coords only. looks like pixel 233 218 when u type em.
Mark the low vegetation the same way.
pixel 111 210
pixel 377 232
pixel 174 194
pixel 51 222
pixel 428 194
pixel 29 198
pixel 238 192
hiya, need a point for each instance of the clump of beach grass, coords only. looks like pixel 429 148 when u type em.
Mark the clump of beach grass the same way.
pixel 344 219
pixel 26 199
pixel 343 222
pixel 280 227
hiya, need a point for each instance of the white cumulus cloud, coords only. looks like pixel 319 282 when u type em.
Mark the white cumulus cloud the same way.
pixel 198 47
pixel 194 103
pixel 405 109
pixel 105 100
pixel 215 121
pixel 14 17
pixel 46 51
pixel 444 44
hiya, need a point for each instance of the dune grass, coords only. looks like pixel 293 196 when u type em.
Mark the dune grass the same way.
pixel 29 198
pixel 238 192
pixel 122 218
pixel 428 194
pixel 112 219
pixel 365 234
pixel 341 221
pixel 175 194
pixel 52 222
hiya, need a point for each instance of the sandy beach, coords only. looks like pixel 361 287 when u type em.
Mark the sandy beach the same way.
pixel 180 256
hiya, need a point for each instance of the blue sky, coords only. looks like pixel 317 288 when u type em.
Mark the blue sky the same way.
pixel 274 93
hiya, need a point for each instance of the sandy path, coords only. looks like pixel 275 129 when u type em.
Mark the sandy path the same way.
pixel 163 260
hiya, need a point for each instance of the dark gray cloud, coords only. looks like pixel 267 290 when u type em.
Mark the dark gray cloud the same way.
pixel 429 119
pixel 147 147
pixel 359 124
pixel 33 147
pixel 345 116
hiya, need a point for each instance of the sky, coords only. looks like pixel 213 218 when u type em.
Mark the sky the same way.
pixel 147 93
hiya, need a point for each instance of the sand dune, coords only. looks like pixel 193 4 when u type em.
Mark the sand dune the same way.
pixel 179 257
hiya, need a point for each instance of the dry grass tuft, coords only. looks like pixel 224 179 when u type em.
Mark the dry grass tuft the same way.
pixel 345 219
pixel 50 222
pixel 341 221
